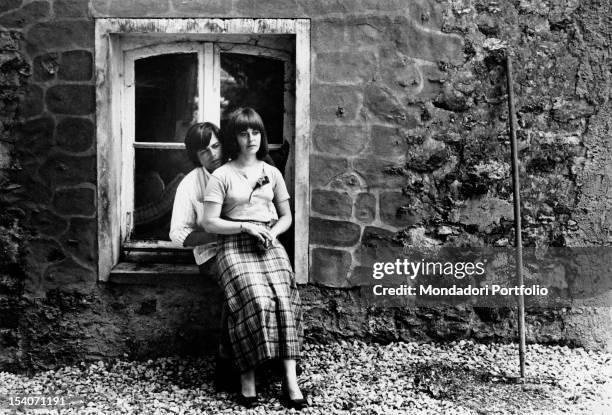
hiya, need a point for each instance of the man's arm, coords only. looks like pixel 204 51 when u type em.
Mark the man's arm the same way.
pixel 184 229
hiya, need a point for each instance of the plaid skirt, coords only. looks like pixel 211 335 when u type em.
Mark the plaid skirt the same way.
pixel 265 315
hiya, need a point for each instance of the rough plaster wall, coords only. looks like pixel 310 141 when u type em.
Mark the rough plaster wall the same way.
pixel 409 146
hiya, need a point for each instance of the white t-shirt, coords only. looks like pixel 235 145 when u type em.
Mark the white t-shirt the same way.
pixel 230 188
pixel 188 213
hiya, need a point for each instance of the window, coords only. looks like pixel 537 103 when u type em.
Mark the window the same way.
pixel 155 77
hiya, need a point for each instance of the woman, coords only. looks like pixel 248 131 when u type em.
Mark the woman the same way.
pixel 265 320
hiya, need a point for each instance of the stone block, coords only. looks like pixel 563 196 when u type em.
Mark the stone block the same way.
pixel 433 82
pixel 345 67
pixel 60 34
pixel 389 143
pixel 25 16
pixel 70 8
pixel 367 31
pixel 333 233
pixel 400 210
pixel 69 276
pixel 32 190
pixel 381 173
pixel 341 140
pixel 330 267
pixel 39 254
pixel 75 201
pixel 267 9
pixel 45 67
pixel 365 207
pixel 328 35
pixel 381 102
pixel 76 65
pixel 426 13
pixel 324 169
pixel 44 251
pixel 334 103
pixel 213 8
pixel 80 240
pixel 484 212
pixel 74 134
pixel 332 203
pixel 71 99
pixel 35 136
pixel 31 103
pixel 417 42
pixel 47 223
pixel 399 72
pixel 137 8
pixel 7 5
pixel 349 182
pixel 378 245
pixel 67 170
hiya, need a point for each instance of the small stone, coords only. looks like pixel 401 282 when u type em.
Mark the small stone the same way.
pixel 76 65
pixel 332 203
pixel 333 233
pixel 71 99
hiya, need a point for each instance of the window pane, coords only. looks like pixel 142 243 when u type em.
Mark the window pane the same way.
pixel 157 174
pixel 257 82
pixel 166 96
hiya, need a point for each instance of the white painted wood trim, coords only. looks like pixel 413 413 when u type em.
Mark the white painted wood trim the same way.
pixel 159 145
pixel 105 174
pixel 155 245
pixel 209 103
pixel 162 49
pixel 127 145
pixel 302 149
pixel 201 75
pixel 200 26
pixel 215 91
pixel 226 47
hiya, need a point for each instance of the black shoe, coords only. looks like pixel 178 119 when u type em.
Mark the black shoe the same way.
pixel 297 404
pixel 248 401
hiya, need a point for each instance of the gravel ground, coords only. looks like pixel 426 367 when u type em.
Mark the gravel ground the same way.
pixel 350 378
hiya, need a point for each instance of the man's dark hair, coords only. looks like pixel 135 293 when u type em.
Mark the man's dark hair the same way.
pixel 239 121
pixel 198 138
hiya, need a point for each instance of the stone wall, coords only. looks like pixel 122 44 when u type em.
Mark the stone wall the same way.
pixel 409 147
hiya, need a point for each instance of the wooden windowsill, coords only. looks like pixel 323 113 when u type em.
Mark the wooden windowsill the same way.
pixel 136 273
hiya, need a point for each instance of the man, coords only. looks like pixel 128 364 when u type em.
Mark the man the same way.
pixel 205 152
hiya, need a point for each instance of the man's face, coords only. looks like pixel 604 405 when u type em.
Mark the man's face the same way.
pixel 210 157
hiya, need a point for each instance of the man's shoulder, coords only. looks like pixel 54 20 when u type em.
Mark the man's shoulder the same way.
pixel 190 178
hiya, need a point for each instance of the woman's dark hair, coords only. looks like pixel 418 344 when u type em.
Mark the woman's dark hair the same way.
pixel 197 138
pixel 239 121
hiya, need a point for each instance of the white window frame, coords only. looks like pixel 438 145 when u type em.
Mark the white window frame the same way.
pixel 115 127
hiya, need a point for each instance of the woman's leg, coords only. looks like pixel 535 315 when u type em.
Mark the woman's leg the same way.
pixel 247 383
pixel 293 389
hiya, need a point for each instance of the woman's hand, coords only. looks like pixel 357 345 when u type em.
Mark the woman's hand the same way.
pixel 259 232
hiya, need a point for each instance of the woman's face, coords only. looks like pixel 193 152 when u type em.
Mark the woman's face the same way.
pixel 211 156
pixel 249 141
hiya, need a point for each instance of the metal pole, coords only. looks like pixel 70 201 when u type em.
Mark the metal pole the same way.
pixel 518 242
